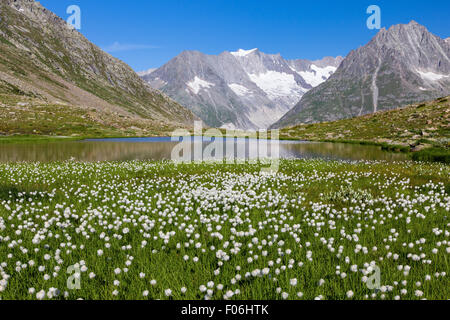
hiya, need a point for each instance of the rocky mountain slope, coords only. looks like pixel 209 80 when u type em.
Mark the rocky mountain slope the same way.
pixel 44 59
pixel 405 64
pixel 246 89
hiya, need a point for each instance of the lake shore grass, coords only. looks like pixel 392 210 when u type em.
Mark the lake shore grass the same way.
pixel 431 154
pixel 422 130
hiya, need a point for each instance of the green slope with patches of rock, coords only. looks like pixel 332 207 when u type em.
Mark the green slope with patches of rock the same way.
pixel 416 127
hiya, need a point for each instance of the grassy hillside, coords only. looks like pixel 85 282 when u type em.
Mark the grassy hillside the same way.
pixel 41 58
pixel 34 118
pixel 422 128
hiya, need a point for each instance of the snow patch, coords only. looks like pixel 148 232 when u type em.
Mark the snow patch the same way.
pixel 318 75
pixel 277 84
pixel 239 89
pixel 198 84
pixel 242 53
pixel 431 76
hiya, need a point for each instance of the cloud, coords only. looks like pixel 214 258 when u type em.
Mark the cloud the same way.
pixel 118 47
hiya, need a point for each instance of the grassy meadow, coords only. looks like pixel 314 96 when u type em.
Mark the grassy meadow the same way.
pixel 157 230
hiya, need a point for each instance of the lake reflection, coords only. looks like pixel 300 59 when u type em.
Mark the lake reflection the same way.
pixel 161 149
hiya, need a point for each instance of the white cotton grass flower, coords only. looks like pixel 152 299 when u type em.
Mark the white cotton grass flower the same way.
pixel 229 294
pixel 418 293
pixel 40 295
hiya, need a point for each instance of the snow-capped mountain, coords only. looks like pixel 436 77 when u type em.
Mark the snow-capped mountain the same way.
pixel 402 65
pixel 245 89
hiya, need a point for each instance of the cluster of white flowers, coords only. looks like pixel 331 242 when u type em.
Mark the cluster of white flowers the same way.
pixel 228 228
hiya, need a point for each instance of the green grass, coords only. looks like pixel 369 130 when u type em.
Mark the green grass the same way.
pixel 335 210
pixel 35 139
pixel 434 154
pixel 25 118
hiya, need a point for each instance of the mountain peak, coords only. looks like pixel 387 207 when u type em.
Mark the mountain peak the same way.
pixel 412 25
pixel 403 65
pixel 244 89
pixel 400 31
pixel 243 53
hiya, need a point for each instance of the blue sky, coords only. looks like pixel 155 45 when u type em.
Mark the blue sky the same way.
pixel 148 33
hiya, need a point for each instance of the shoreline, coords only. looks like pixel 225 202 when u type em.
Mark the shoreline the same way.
pixel 430 154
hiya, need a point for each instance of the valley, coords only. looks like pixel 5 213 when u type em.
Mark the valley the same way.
pixel 223 174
